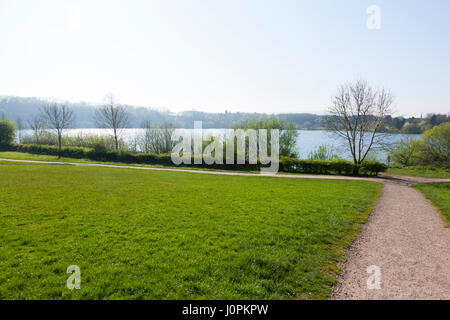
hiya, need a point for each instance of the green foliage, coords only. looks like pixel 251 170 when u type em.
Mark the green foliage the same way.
pixel 286 164
pixel 422 171
pixel 372 168
pixel 317 166
pixel 68 152
pixel 156 139
pixel 405 152
pixel 288 133
pixel 433 148
pixel 323 152
pixel 7 132
pixel 413 125
pixel 80 140
pixel 340 166
pixel 169 235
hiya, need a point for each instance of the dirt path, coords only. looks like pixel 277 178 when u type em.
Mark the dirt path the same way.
pixel 405 238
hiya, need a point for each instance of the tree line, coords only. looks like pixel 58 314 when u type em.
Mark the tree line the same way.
pixel 358 114
pixel 19 109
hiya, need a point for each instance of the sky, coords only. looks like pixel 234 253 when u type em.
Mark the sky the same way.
pixel 235 55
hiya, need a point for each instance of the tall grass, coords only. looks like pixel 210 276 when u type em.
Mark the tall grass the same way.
pixel 80 140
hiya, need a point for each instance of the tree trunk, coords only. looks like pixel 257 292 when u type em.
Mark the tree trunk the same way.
pixel 116 140
pixel 59 145
pixel 355 168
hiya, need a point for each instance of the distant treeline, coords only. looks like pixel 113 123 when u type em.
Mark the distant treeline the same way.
pixel 21 109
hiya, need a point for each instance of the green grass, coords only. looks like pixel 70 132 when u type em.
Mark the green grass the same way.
pixel 439 194
pixel 171 235
pixel 39 157
pixel 419 171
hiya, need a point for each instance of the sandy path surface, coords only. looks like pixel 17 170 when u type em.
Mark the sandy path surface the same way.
pixel 405 238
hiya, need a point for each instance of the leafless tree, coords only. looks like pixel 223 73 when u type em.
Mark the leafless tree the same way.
pixel 36 124
pixel 57 117
pixel 357 114
pixel 20 128
pixel 156 139
pixel 113 116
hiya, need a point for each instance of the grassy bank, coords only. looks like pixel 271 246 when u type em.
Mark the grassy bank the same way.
pixel 419 171
pixel 168 235
pixel 439 194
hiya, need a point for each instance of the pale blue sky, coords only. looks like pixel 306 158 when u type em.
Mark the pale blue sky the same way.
pixel 246 55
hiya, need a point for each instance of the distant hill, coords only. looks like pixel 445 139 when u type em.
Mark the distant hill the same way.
pixel 15 108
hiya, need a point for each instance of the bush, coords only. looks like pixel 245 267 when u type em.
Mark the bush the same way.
pixel 68 152
pixel 432 149
pixel 288 133
pixel 435 146
pixel 405 152
pixel 341 167
pixel 372 168
pixel 323 152
pixel 80 140
pixel 316 166
pixel 100 153
pixel 7 132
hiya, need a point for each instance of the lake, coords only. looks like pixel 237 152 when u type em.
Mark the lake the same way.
pixel 307 141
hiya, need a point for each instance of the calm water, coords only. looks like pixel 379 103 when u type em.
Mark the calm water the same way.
pixel 307 141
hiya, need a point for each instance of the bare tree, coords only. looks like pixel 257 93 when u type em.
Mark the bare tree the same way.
pixel 37 126
pixel 156 139
pixel 357 114
pixel 57 117
pixel 113 116
pixel 20 128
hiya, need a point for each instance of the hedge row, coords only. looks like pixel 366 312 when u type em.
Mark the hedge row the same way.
pixel 341 167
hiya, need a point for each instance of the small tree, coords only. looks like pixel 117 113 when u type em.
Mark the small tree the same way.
pixel 435 145
pixel 37 126
pixel 288 133
pixel 405 152
pixel 157 139
pixel 356 115
pixel 58 117
pixel 113 116
pixel 7 132
pixel 323 152
pixel 20 128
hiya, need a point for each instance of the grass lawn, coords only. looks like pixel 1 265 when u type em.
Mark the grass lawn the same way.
pixel 426 172
pixel 40 157
pixel 169 235
pixel 439 194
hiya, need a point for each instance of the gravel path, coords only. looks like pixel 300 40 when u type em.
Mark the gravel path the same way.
pixel 405 238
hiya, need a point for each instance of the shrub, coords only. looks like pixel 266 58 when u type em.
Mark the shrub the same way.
pixel 323 152
pixel 288 133
pixel 433 148
pixel 99 153
pixel 80 140
pixel 372 168
pixel 68 152
pixel 316 166
pixel 7 132
pixel 156 139
pixel 405 152
pixel 341 167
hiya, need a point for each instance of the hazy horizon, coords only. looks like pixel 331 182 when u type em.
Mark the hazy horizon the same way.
pixel 215 56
